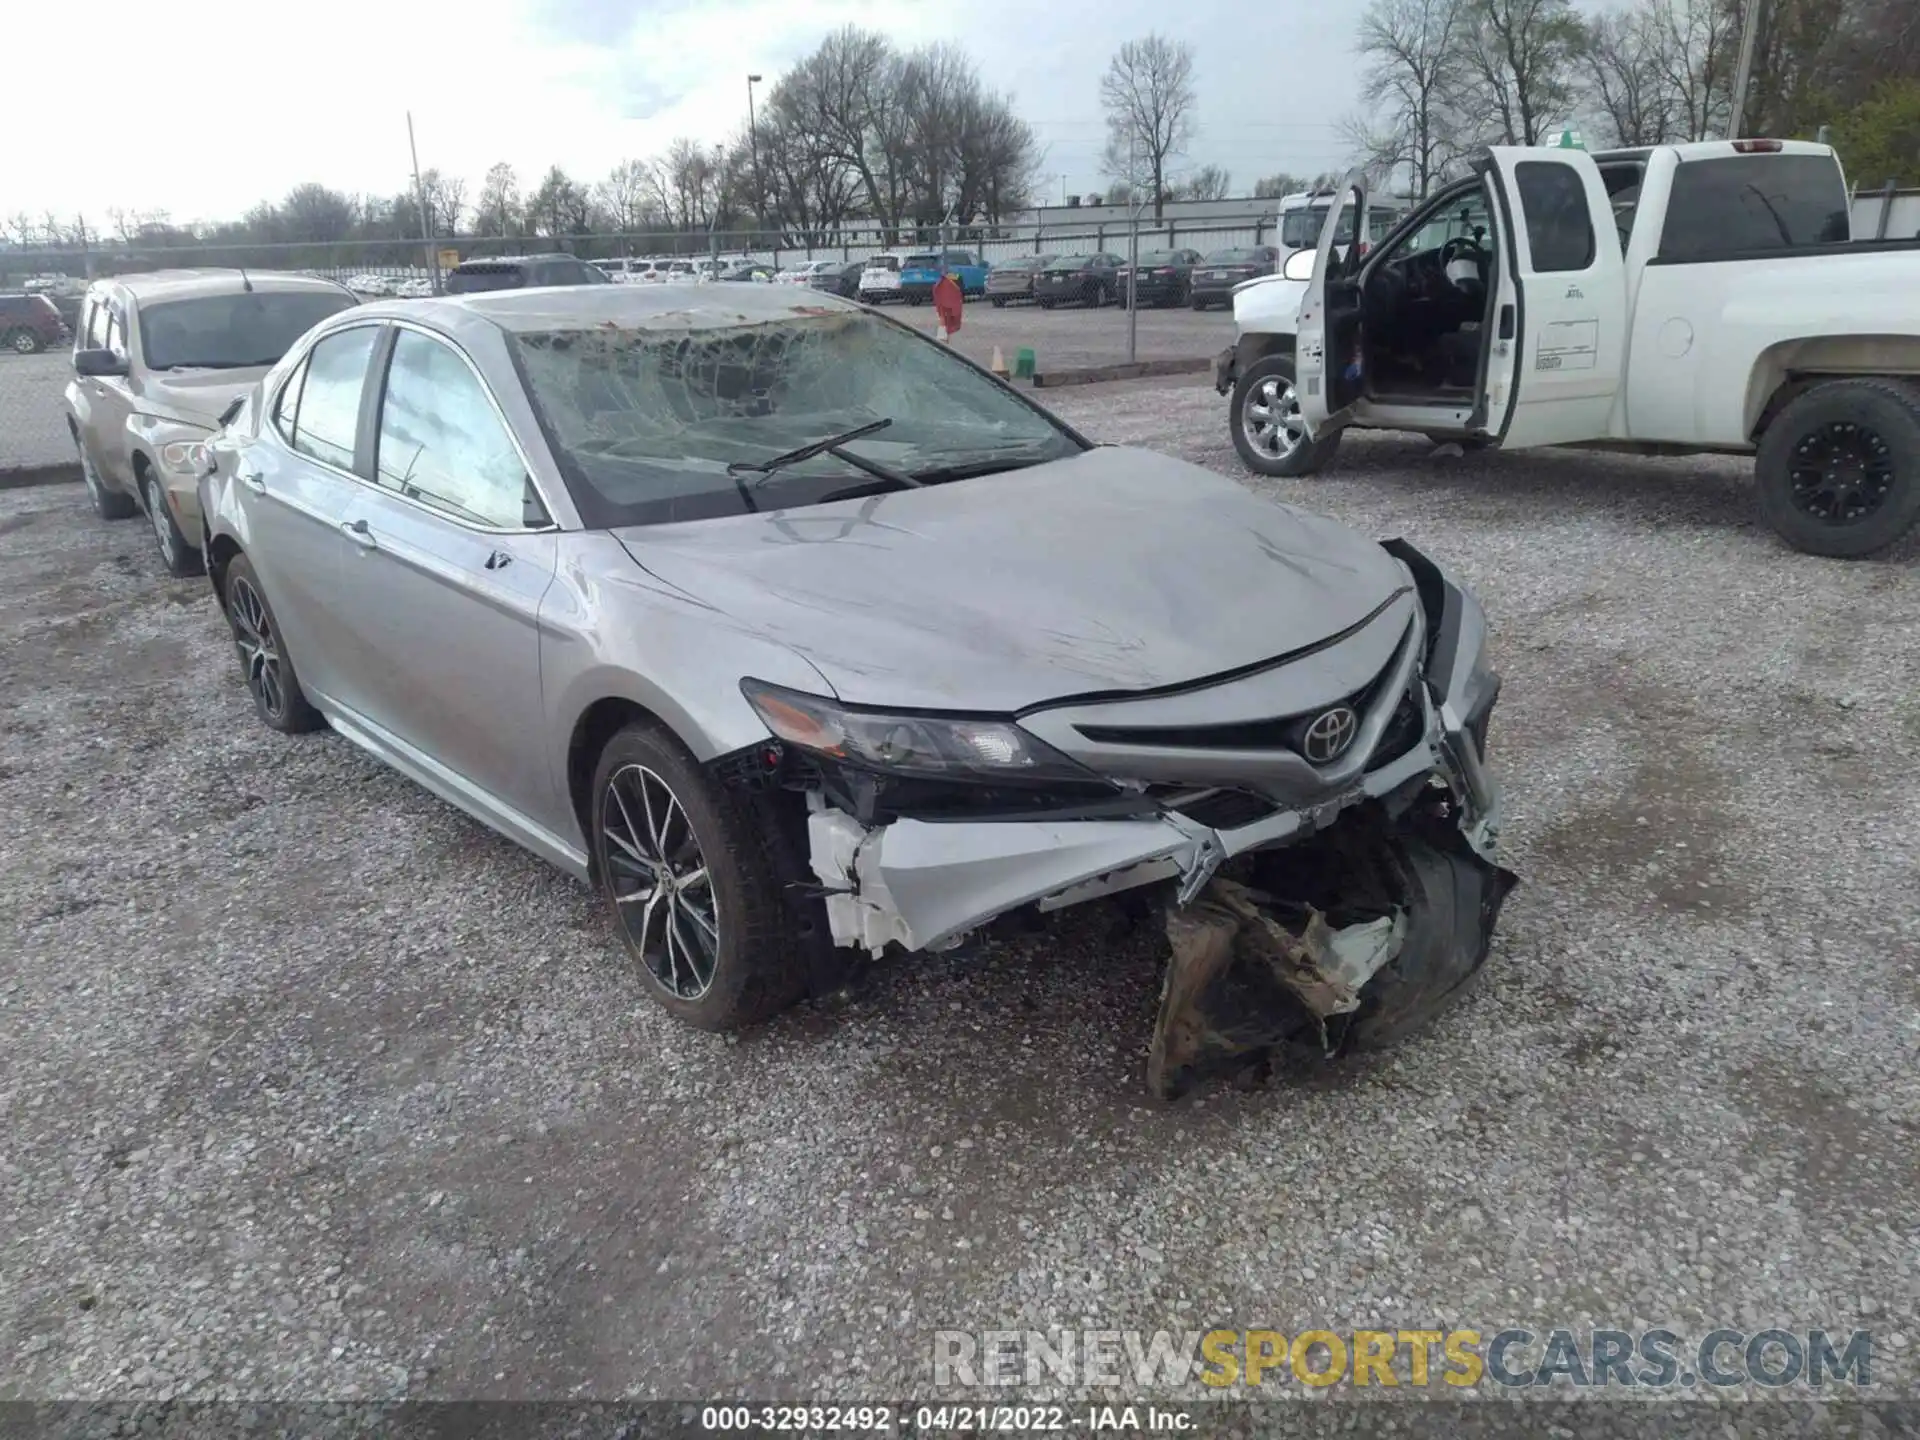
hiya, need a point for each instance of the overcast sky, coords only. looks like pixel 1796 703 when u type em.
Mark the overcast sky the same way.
pixel 220 103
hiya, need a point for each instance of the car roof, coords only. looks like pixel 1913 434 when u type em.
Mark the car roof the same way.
pixel 638 307
pixel 186 284
pixel 481 262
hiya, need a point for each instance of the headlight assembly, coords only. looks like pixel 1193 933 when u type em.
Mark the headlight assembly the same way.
pixel 185 457
pixel 930 746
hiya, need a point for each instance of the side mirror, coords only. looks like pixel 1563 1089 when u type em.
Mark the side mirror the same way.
pixel 98 363
pixel 1299 265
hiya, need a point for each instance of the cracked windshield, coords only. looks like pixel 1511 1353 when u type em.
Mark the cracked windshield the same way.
pixel 650 420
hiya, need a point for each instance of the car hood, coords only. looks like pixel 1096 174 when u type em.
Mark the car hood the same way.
pixel 1114 571
pixel 197 397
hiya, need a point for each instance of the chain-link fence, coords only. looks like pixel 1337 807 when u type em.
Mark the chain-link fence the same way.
pixel 41 289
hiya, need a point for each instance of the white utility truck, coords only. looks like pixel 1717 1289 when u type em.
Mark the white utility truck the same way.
pixel 1677 299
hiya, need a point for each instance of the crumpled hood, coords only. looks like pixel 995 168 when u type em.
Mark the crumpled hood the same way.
pixel 197 397
pixel 1116 570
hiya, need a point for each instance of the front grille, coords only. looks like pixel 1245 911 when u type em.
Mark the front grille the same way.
pixel 1280 732
pixel 1403 732
pixel 1220 809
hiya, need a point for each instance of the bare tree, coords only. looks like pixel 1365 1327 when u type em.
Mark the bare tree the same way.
pixel 1272 187
pixel 314 212
pixel 1694 45
pixel 447 198
pixel 497 209
pixel 1623 78
pixel 1209 182
pixel 1416 69
pixel 626 195
pixel 1519 60
pixel 1149 96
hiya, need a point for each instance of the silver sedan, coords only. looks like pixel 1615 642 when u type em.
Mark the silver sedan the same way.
pixel 802 637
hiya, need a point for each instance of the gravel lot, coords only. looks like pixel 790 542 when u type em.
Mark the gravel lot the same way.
pixel 1068 338
pixel 315 1088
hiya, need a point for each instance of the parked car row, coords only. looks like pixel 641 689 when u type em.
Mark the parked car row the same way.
pixel 530 548
pixel 30 323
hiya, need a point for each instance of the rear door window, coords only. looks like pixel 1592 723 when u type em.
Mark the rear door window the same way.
pixel 1738 203
pixel 329 413
pixel 1553 200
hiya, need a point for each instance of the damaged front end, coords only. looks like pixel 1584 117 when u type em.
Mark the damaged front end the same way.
pixel 1322 827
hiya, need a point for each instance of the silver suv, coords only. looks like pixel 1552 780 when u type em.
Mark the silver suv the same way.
pixel 157 359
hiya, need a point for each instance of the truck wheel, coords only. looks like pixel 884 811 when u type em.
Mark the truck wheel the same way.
pixel 1267 429
pixel 999 302
pixel 1839 467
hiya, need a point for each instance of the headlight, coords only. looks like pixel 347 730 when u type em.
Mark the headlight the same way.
pixel 939 747
pixel 185 457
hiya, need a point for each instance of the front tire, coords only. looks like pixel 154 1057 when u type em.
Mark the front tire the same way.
pixel 25 342
pixel 180 558
pixel 999 302
pixel 1839 468
pixel 1268 430
pixel 264 663
pixel 690 884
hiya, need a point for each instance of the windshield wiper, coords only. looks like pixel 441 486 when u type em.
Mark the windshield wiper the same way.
pixel 979 465
pixel 830 446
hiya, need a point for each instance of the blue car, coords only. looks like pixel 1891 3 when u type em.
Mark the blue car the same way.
pixel 921 271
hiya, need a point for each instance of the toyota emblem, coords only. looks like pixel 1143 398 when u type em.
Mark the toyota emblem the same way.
pixel 1330 734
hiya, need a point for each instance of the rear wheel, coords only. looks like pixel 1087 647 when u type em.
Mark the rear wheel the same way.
pixel 1839 468
pixel 25 342
pixel 999 302
pixel 1268 429
pixel 691 885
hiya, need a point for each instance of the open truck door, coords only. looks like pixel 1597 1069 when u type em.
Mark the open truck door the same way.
pixel 1558 352
pixel 1328 327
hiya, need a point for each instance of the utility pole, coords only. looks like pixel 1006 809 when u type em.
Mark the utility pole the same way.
pixel 1133 244
pixel 753 140
pixel 1743 71
pixel 426 215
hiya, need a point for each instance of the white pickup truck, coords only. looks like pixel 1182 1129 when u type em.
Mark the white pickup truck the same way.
pixel 1671 300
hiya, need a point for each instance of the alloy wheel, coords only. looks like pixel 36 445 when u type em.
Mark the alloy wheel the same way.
pixel 259 647
pixel 162 525
pixel 660 882
pixel 1840 472
pixel 1271 418
pixel 24 343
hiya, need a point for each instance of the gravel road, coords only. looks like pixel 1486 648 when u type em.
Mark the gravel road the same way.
pixel 315 1088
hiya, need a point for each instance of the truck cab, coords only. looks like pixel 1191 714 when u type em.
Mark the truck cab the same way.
pixel 1671 299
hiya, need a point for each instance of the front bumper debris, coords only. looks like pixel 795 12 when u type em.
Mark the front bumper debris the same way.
pixel 1254 973
pixel 1321 908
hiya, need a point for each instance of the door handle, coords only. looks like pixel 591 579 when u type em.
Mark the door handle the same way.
pixel 1506 322
pixel 253 480
pixel 359 532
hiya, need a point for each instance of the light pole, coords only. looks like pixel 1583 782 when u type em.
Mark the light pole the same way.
pixel 753 143
pixel 1743 69
pixel 426 216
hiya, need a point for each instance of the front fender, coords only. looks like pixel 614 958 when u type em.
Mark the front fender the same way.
pixel 612 631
